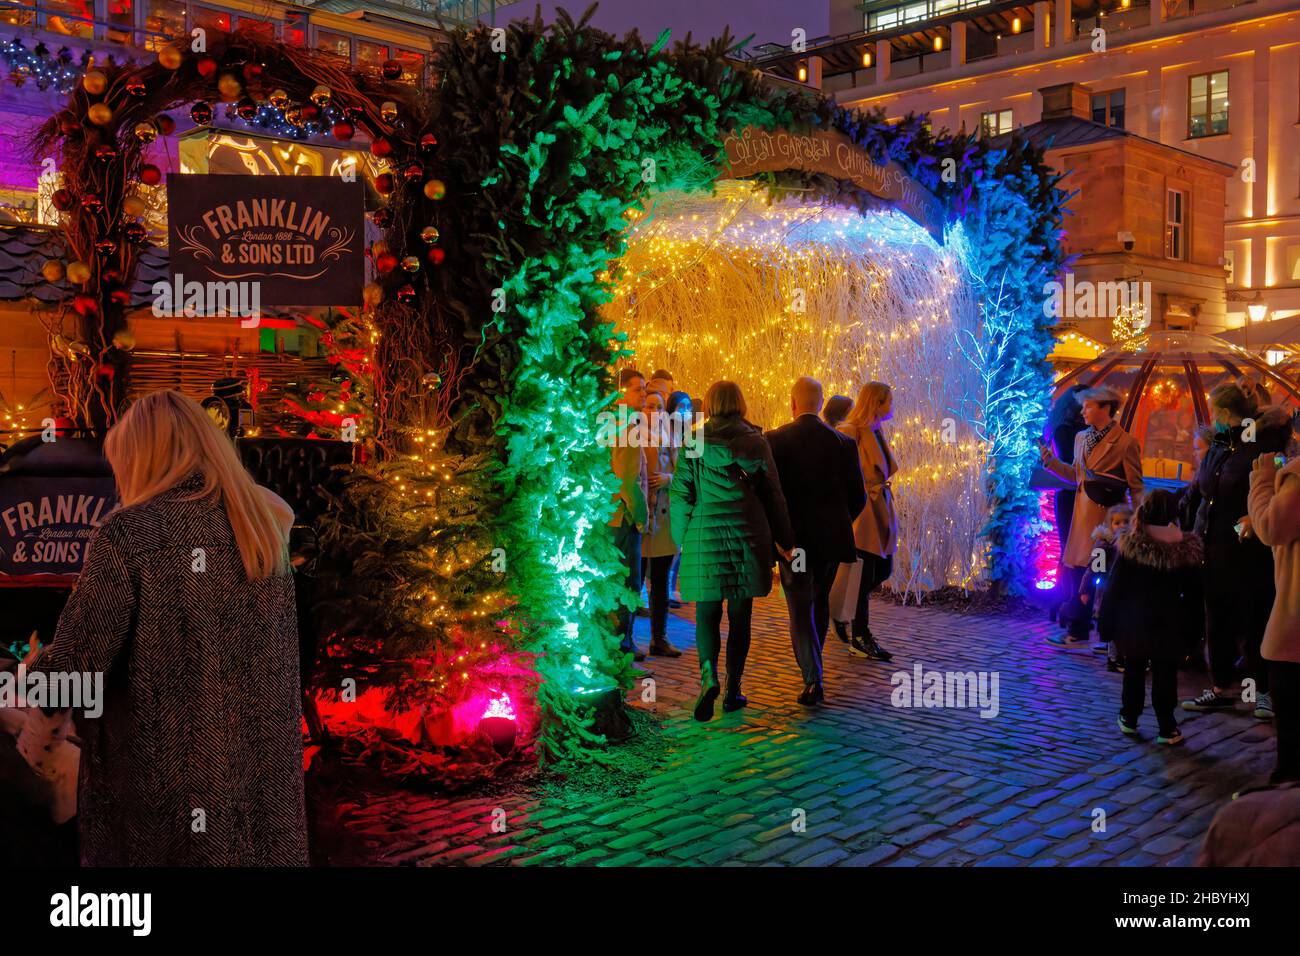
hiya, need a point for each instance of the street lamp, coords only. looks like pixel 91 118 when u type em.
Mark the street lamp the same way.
pixel 1257 311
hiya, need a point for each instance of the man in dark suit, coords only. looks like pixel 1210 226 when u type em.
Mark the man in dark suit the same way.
pixel 822 482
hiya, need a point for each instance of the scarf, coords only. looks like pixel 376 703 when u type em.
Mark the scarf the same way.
pixel 1092 436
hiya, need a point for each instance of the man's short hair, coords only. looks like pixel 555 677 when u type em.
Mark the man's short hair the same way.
pixel 664 374
pixel 807 393
pixel 626 376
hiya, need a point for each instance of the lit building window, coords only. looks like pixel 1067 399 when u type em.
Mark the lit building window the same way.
pixel 214 21
pixel 1108 108
pixel 1207 104
pixel 995 122
pixel 1175 224
pixel 337 43
pixel 163 19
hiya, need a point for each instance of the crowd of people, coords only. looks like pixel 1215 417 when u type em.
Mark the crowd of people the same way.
pixel 714 506
pixel 1206 576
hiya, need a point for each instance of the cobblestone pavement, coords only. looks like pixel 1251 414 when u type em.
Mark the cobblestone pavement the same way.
pixel 876 784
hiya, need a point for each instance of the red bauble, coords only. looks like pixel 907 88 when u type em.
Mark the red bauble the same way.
pixel 437 255
pixel 107 371
pixel 111 277
pixel 201 113
pixel 166 125
pixel 344 130
pixel 207 67
pixel 105 247
pixel 381 147
pixel 428 144
pixel 383 217
pixel 413 173
pixel 61 199
pixel 246 109
pixel 85 304
pixel 91 203
pixel 120 296
pixel 253 71
pixel 150 175
pixel 384 183
pixel 68 122
pixel 406 294
pixel 392 69
pixel 315 396
pixel 134 232
pixel 310 112
pixel 105 153
pixel 135 87
pixel 386 263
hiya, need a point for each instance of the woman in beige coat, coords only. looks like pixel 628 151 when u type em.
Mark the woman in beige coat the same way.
pixel 1104 449
pixel 875 532
pixel 1274 507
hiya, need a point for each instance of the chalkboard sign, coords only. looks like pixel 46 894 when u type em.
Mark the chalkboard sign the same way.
pixel 46 524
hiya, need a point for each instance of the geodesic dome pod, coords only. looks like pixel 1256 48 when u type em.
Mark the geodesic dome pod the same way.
pixel 1165 379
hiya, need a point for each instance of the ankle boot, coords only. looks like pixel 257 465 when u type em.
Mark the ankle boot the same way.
pixel 659 647
pixel 709 689
pixel 733 699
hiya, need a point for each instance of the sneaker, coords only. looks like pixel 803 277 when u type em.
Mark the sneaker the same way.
pixel 1209 700
pixel 1264 706
pixel 1068 642
pixel 659 647
pixel 1170 738
pixel 1126 727
pixel 868 648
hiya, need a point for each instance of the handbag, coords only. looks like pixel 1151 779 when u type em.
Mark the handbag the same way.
pixel 1103 489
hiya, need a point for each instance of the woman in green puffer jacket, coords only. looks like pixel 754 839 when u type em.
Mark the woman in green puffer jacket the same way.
pixel 726 507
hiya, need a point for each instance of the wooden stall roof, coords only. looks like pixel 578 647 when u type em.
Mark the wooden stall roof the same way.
pixel 24 249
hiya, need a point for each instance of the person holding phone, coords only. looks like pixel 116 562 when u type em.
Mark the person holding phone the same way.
pixel 1106 469
pixel 1238 567
pixel 1274 510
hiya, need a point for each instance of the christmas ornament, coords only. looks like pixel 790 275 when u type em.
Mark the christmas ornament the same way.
pixel 136 87
pixel 430 234
pixel 100 114
pixel 411 263
pixel 229 87
pixel 384 183
pixel 437 256
pixel 105 153
pixel 372 294
pixel 435 189
pixel 392 69
pixel 428 144
pixel 321 96
pixel 86 305
pixel 413 173
pixel 52 271
pixel 78 273
pixel 385 263
pixel 431 380
pixel 150 174
pixel 91 203
pixel 381 147
pixel 344 130
pixel 145 132
pixel 124 340
pixel 406 294
pixel 169 58
pixel 279 99
pixel 253 71
pixel 133 206
pixel 106 247
pixel 383 217
pixel 201 113
pixel 134 232
pixel 388 111
pixel 94 82
pixel 246 108
pixel 61 199
pixel 207 67
pixel 166 125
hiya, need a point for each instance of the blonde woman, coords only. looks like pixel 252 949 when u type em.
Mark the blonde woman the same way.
pixel 875 532
pixel 186 605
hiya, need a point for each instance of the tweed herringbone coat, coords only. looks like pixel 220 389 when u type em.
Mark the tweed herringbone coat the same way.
pixel 197 757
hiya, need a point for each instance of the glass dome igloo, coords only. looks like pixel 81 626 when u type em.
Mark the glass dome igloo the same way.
pixel 1165 379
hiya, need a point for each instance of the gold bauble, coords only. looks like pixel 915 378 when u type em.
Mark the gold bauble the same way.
pixel 435 189
pixel 372 294
pixel 94 82
pixel 133 206
pixel 430 234
pixel 293 117
pixel 411 263
pixel 145 132
pixel 379 248
pixel 78 273
pixel 169 58
pixel 100 114
pixel 229 87
pixel 52 270
pixel 321 96
pixel 388 111
pixel 124 340
pixel 279 99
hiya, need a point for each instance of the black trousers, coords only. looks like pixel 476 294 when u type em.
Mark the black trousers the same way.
pixel 1286 718
pixel 708 636
pixel 1235 620
pixel 655 572
pixel 1164 690
pixel 628 541
pixel 875 571
pixel 808 601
